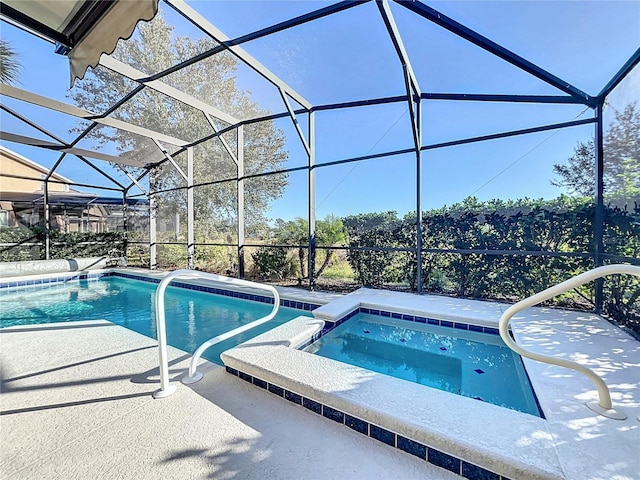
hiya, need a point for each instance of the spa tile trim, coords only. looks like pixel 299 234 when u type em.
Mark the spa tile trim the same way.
pixel 429 454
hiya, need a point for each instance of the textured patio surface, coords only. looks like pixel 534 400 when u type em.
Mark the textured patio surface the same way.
pixel 76 404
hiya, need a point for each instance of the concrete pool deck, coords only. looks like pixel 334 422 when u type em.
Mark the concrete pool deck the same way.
pixel 76 403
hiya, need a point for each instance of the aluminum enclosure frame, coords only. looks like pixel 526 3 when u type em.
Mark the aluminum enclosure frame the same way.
pixel 413 97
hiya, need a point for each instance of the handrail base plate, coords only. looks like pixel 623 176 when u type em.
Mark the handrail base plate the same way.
pixel 187 380
pixel 164 393
pixel 610 413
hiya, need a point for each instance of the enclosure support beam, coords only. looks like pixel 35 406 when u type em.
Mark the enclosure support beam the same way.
pixel 294 119
pixel 53 169
pixel 513 133
pixel 491 97
pixel 191 244
pixel 419 226
pixel 312 202
pixel 125 224
pixel 240 200
pixel 599 198
pixel 34 142
pixel 414 99
pixel 170 158
pixel 221 138
pixel 77 112
pixel 620 75
pixel 198 20
pixel 394 34
pixel 100 171
pixel 497 50
pixel 47 221
pixel 133 179
pixel 138 76
pixel 153 215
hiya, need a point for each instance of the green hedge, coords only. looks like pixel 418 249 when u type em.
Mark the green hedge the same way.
pixel 560 226
pixel 19 243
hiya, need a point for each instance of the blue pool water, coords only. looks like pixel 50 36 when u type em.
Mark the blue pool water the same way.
pixel 192 317
pixel 472 364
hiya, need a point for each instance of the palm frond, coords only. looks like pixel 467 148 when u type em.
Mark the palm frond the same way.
pixel 9 65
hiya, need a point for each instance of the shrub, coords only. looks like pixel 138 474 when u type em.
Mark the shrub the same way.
pixel 272 262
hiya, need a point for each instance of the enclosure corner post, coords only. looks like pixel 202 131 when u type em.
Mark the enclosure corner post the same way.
pixel 191 247
pixel 312 202
pixel 125 224
pixel 598 221
pixel 47 222
pixel 419 226
pixel 240 200
pixel 153 214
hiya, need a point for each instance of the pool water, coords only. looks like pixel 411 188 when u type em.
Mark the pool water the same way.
pixel 472 364
pixel 192 317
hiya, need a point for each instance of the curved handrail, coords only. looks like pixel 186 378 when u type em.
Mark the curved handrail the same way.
pixel 604 406
pixel 166 388
pixel 194 375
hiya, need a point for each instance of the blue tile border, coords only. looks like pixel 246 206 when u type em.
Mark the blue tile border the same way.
pixel 412 447
pixel 407 317
pixel 63 278
pixel 227 293
pixel 444 460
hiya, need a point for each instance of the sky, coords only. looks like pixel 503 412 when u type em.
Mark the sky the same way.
pixel 348 56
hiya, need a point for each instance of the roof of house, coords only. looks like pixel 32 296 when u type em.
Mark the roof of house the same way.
pixel 70 198
pixel 30 163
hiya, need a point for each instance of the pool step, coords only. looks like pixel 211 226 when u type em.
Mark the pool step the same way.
pixel 411 363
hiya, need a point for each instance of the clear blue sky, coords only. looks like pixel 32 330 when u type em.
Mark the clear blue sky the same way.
pixel 349 56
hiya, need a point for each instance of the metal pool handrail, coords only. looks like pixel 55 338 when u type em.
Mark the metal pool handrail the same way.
pixel 603 406
pixel 166 388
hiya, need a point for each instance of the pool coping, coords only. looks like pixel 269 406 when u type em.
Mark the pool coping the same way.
pixel 486 440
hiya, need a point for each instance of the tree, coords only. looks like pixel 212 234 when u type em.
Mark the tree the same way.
pixel 577 174
pixel 9 65
pixel 294 232
pixel 364 222
pixel 154 48
pixel 329 232
pixel 622 151
pixel 621 159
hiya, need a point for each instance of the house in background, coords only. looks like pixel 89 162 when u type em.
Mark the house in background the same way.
pixel 21 186
pixel 22 201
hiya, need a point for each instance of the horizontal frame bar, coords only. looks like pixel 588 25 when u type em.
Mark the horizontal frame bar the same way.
pixel 488 97
pixel 512 133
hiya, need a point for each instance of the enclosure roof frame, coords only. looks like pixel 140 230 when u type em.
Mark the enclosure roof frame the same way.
pixel 573 94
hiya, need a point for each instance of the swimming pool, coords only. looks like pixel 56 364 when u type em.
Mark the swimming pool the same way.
pixel 468 363
pixel 193 317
